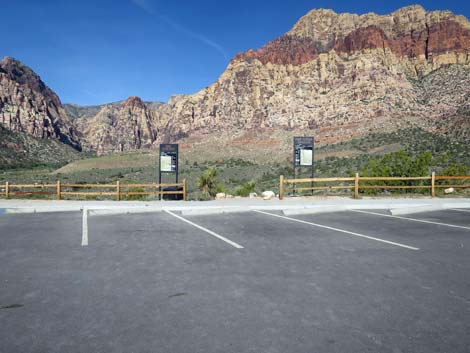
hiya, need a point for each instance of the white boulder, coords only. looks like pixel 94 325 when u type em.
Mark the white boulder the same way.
pixel 268 195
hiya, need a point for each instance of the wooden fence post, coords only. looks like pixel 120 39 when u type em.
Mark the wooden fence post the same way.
pixel 356 186
pixel 184 189
pixel 433 184
pixel 7 190
pixel 118 191
pixel 58 190
pixel 281 187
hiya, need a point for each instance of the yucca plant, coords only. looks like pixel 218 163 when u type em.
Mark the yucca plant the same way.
pixel 207 182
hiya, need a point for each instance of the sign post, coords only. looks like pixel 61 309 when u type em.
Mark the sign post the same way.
pixel 304 155
pixel 168 162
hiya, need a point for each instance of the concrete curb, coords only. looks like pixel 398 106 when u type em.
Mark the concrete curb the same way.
pixel 456 205
pixel 401 206
pixel 397 211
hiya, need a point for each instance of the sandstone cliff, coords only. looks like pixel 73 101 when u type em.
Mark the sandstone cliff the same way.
pixel 121 126
pixel 27 105
pixel 333 75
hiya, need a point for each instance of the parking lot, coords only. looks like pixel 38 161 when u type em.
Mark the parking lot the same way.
pixel 257 281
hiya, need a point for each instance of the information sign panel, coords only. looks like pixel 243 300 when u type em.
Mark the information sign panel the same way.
pixel 169 158
pixel 303 151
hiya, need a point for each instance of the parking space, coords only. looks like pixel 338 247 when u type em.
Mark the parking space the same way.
pixel 347 281
pixel 444 218
pixel 452 217
pixel 272 231
pixel 437 235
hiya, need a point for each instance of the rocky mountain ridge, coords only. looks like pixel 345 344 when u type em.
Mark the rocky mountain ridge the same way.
pixel 122 126
pixel 335 76
pixel 27 105
pixel 75 111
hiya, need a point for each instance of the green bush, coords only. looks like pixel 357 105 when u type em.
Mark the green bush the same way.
pixel 398 164
pixel 456 170
pixel 136 197
pixel 245 189
pixel 220 188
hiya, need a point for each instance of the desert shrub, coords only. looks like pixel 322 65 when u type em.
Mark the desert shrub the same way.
pixel 398 164
pixel 220 188
pixel 455 170
pixel 245 189
pixel 136 197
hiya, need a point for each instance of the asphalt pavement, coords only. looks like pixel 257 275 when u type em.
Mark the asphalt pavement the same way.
pixel 259 281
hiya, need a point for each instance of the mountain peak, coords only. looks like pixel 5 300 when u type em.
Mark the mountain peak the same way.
pixel 8 60
pixel 37 109
pixel 16 69
pixel 325 26
pixel 410 9
pixel 134 101
pixel 25 76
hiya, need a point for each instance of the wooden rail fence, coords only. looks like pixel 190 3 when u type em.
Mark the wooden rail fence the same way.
pixel 356 186
pixel 118 190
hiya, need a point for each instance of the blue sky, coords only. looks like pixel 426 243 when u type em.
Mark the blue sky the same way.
pixel 99 51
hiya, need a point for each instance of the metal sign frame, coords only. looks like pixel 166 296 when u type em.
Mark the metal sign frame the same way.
pixel 302 146
pixel 169 152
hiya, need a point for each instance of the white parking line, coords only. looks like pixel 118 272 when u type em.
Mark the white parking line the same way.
pixel 85 227
pixel 458 209
pixel 412 219
pixel 340 230
pixel 228 241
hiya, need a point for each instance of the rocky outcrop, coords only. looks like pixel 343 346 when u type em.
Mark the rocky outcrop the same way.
pixel 120 127
pixel 327 27
pixel 437 39
pixel 333 75
pixel 282 51
pixel 27 105
pixel 411 34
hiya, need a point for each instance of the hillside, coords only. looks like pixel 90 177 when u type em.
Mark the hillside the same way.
pixel 239 164
pixel 19 150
